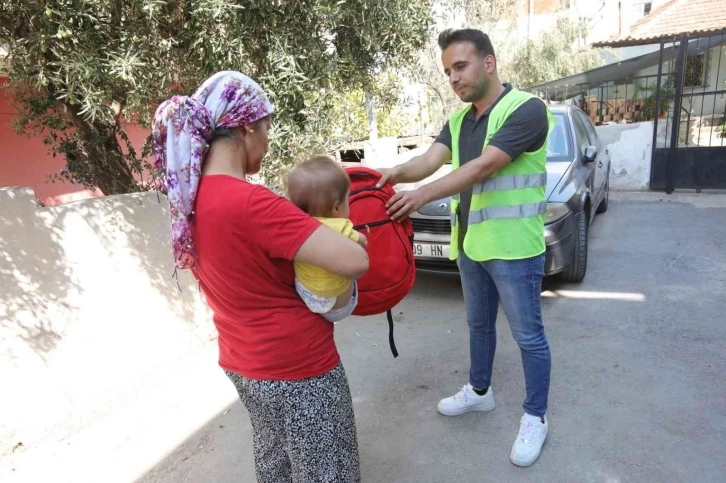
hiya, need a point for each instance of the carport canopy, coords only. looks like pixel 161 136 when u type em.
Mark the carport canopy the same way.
pixel 567 87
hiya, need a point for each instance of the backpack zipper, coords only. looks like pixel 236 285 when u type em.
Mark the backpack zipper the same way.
pixel 373 224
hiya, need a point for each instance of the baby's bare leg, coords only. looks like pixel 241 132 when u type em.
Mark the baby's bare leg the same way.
pixel 343 299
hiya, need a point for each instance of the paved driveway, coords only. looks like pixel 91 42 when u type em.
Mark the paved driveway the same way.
pixel 638 385
pixel 639 362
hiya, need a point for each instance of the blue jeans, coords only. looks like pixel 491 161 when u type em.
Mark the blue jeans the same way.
pixel 517 283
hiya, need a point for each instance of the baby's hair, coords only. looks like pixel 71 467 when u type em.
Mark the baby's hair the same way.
pixel 317 184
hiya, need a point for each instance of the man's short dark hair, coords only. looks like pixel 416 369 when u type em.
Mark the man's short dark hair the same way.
pixel 477 37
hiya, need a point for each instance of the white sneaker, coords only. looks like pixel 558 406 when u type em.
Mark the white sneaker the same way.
pixel 466 400
pixel 531 437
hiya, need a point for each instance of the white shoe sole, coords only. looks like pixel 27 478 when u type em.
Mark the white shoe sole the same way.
pixel 525 463
pixel 459 412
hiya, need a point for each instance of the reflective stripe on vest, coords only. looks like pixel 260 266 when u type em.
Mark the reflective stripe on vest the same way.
pixel 507 212
pixel 501 183
pixel 515 182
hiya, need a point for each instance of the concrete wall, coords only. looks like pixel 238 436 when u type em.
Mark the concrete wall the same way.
pixel 377 152
pixel 604 17
pixel 90 315
pixel 630 147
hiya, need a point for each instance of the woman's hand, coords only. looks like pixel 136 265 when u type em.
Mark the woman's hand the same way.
pixel 362 240
pixel 334 252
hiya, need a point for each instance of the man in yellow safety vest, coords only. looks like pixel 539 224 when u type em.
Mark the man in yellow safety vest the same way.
pixel 497 146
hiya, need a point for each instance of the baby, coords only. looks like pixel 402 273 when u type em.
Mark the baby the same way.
pixel 320 187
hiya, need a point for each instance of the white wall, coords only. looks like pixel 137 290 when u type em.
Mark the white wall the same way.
pixel 378 152
pixel 602 18
pixel 630 147
pixel 716 76
pixel 90 316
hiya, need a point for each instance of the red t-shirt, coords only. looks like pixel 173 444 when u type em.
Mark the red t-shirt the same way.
pixel 245 237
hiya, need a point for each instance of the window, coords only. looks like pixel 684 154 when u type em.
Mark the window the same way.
pixel 583 141
pixel 695 75
pixel 641 9
pixel 591 133
pixel 558 144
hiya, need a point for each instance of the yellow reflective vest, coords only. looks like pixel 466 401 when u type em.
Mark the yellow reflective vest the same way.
pixel 508 210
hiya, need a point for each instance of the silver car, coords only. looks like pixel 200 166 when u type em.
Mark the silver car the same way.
pixel 578 187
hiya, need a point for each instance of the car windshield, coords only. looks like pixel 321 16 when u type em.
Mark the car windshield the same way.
pixel 558 144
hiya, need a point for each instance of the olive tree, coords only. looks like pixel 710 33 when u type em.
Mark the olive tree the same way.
pixel 81 70
pixel 521 60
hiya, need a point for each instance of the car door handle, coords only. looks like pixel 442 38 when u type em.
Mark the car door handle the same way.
pixel 599 165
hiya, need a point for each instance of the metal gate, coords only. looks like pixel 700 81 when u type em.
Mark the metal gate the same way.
pixel 689 139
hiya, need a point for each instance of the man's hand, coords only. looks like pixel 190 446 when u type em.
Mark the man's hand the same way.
pixel 417 168
pixel 388 175
pixel 403 203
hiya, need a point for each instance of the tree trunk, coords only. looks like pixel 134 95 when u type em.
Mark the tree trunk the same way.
pixel 95 159
pixel 372 121
pixel 119 178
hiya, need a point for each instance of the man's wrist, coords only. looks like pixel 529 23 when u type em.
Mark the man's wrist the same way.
pixel 426 193
pixel 396 173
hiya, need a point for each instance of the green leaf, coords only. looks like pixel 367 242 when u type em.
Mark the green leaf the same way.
pixel 308 54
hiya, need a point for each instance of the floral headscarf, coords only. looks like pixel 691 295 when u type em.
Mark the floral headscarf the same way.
pixel 183 127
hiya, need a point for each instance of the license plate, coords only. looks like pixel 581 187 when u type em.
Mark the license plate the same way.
pixel 430 250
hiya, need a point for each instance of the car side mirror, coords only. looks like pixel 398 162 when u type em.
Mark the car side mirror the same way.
pixel 590 154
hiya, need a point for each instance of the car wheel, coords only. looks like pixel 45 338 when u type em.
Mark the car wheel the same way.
pixel 575 271
pixel 604 203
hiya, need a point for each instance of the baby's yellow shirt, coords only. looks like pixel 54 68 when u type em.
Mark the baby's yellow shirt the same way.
pixel 318 280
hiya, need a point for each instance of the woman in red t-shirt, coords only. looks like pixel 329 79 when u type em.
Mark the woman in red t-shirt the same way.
pixel 240 241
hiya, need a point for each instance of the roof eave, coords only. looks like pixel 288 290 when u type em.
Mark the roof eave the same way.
pixel 632 42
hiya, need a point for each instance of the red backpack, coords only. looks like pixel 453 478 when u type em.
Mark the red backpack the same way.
pixel 392 270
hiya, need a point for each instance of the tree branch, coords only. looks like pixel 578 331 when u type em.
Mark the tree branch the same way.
pixel 117 106
pixel 72 113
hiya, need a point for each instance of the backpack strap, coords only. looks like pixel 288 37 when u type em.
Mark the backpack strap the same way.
pixel 391 342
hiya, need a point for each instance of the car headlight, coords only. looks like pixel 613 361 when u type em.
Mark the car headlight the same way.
pixel 556 211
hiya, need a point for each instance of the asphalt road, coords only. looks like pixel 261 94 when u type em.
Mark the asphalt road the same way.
pixel 639 361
